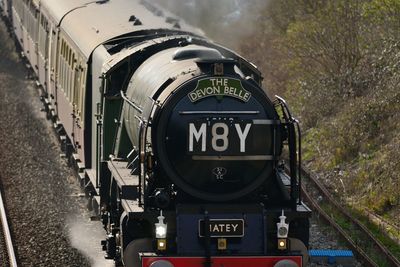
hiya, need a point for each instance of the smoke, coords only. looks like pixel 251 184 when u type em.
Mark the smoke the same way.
pixel 229 22
pixel 85 235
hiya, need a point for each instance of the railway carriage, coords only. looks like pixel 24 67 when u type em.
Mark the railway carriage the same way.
pixel 173 138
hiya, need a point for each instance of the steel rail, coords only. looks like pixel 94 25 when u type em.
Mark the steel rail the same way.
pixel 382 221
pixel 7 234
pixel 352 244
pixel 388 255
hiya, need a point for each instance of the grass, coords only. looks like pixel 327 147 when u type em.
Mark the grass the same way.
pixel 359 237
pixel 380 233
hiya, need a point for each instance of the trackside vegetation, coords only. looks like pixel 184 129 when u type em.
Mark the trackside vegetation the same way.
pixel 338 63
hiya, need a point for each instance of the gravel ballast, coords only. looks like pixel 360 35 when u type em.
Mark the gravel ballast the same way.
pixel 46 210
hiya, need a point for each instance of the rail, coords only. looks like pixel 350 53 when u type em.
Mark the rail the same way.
pixel 7 234
pixel 360 253
pixel 392 228
pixel 390 258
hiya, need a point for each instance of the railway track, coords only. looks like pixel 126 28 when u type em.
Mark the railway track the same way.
pixel 393 228
pixel 359 238
pixel 8 258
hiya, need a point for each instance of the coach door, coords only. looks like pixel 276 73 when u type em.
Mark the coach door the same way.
pixel 17 18
pixel 78 102
pixel 43 51
pixel 53 65
pixel 31 33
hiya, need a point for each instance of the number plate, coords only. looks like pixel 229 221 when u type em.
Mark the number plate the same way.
pixel 223 228
pixel 225 137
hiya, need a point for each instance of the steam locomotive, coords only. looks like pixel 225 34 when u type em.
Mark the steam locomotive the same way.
pixel 173 138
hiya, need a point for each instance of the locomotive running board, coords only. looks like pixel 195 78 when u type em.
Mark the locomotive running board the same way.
pixel 128 183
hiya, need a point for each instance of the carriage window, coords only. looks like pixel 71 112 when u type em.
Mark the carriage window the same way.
pixel 82 92
pixel 73 60
pixel 62 48
pixel 71 75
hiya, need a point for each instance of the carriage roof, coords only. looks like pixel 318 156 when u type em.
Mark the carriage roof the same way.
pixel 90 24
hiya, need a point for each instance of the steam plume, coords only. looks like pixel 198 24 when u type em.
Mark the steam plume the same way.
pixel 226 21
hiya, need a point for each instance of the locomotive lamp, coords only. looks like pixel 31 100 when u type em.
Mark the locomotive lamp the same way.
pixel 222 244
pixel 161 244
pixel 161 232
pixel 282 243
pixel 282 232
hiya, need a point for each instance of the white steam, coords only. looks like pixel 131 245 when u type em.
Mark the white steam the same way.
pixel 85 236
pixel 226 21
